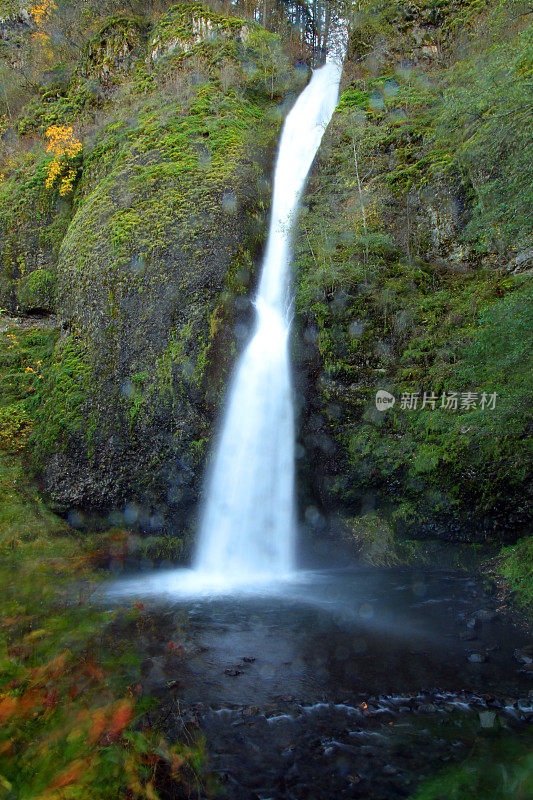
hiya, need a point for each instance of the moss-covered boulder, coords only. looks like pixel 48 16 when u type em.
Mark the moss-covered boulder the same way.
pixel 189 24
pixel 114 49
pixel 169 217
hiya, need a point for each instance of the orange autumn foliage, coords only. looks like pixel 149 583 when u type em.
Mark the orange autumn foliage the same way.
pixel 122 716
pixel 73 772
pixel 98 725
pixel 41 14
pixel 52 669
pixel 8 709
pixel 65 147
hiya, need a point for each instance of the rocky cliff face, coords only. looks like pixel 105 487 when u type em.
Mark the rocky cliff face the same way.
pixel 412 262
pixel 404 282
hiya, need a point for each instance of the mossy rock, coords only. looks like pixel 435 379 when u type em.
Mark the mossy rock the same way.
pixel 170 216
pixel 33 221
pixel 114 49
pixel 398 298
pixel 36 292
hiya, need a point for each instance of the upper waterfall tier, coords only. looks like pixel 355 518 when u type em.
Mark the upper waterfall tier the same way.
pixel 301 137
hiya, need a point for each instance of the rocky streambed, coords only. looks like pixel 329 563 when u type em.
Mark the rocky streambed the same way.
pixel 340 683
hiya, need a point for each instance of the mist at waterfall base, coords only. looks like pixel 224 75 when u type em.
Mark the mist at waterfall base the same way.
pixel 247 531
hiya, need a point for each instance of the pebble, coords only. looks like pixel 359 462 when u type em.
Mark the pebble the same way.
pixel 525 655
pixel 477 658
pixel 485 615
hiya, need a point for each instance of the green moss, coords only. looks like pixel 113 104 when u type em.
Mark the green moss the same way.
pixel 23 515
pixel 24 359
pixel 180 20
pixel 60 406
pixel 196 156
pixel 374 538
pixel 398 304
pixel 37 291
pixel 378 544
pixel 516 566
pixel 9 9
pixel 161 548
pixel 499 767
pixel 53 109
pixel 33 221
pixel 43 392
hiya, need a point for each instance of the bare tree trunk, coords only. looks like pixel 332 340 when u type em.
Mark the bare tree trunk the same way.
pixel 327 22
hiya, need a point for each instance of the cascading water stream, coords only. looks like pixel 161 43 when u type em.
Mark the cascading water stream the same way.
pixel 248 524
pixel 247 532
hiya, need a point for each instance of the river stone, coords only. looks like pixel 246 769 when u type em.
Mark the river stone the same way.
pixel 485 615
pixel 477 658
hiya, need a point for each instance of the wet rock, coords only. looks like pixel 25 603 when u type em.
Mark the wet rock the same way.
pixel 485 615
pixel 232 671
pixel 248 659
pixel 524 655
pixel 428 708
pixel 525 704
pixel 155 679
pixel 487 719
pixel 477 658
pixel 468 635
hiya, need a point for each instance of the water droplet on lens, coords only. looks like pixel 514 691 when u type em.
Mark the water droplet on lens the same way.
pixel 130 514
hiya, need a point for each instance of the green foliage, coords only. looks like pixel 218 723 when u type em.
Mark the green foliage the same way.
pixel 397 304
pixel 516 566
pixel 36 291
pixel 69 692
pixel 33 222
pixel 60 406
pixel 161 548
pixel 476 457
pixel 499 767
pixel 24 357
pixel 197 155
pixel 52 108
pixel 475 122
pixel 8 9
pixel 177 129
pixel 378 545
pixel 455 124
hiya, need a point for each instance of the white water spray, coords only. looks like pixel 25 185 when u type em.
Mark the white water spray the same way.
pixel 248 524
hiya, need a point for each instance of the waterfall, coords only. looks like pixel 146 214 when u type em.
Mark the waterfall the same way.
pixel 248 523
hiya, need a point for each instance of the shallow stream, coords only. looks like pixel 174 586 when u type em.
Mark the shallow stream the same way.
pixel 316 686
